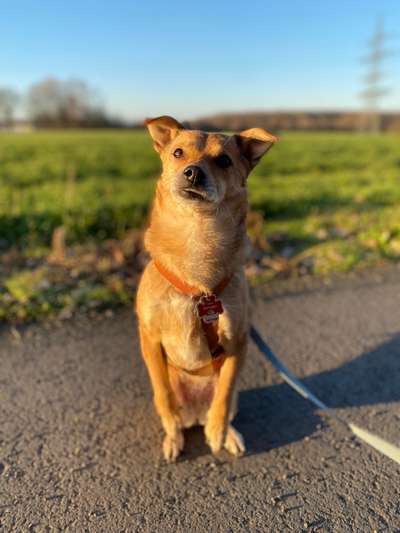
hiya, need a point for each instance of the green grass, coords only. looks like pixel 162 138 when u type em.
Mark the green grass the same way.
pixel 97 184
pixel 328 196
pixel 335 196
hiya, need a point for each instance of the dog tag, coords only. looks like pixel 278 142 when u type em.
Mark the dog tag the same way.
pixel 209 308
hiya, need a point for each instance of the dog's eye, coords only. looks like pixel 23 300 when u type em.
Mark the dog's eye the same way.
pixel 223 161
pixel 178 153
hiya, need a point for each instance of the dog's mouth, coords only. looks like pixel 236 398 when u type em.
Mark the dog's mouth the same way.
pixel 195 194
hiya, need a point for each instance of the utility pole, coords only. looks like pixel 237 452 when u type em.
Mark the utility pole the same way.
pixel 374 88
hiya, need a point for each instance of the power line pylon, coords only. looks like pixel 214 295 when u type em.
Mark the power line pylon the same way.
pixel 375 89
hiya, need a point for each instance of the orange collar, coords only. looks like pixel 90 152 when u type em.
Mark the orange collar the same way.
pixel 186 288
pixel 210 329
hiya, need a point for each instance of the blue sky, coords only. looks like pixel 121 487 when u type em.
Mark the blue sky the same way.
pixel 193 58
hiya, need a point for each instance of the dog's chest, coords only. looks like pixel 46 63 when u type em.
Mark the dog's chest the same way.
pixel 182 335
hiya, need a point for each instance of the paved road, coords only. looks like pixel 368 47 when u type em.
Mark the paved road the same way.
pixel 80 443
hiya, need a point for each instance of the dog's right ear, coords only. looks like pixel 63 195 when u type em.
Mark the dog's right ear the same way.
pixel 163 130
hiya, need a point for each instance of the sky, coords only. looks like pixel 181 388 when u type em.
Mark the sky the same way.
pixel 195 58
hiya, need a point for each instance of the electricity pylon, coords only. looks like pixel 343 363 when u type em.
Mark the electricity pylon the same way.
pixel 375 89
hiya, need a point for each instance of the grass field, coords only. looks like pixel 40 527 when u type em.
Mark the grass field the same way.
pixel 332 198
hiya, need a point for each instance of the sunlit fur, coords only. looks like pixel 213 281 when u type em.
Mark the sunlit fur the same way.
pixel 201 242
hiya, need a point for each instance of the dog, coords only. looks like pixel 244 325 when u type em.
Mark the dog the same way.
pixel 192 300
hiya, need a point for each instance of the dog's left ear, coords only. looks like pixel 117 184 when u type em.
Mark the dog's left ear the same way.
pixel 163 130
pixel 254 143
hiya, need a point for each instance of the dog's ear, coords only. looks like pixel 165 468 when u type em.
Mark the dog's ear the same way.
pixel 254 143
pixel 163 130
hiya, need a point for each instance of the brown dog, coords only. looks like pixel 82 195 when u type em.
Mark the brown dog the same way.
pixel 197 242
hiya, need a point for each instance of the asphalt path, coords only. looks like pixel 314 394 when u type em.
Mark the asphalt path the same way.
pixel 80 444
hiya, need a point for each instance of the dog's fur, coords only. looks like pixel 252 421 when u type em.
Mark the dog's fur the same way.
pixel 200 236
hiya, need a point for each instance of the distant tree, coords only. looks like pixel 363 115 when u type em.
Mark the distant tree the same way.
pixel 43 101
pixel 8 102
pixel 71 103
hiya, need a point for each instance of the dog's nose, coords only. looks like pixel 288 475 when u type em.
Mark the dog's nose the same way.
pixel 194 174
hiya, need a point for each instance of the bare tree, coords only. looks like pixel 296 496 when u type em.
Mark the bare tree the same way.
pixel 8 102
pixel 71 103
pixel 43 101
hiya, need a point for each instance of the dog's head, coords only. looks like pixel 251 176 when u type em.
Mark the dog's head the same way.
pixel 202 168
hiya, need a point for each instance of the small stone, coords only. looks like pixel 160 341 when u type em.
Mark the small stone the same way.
pixel 15 333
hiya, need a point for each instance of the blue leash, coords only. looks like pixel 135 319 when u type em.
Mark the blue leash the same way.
pixel 384 447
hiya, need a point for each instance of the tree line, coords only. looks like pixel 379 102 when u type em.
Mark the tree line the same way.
pixel 298 121
pixel 56 103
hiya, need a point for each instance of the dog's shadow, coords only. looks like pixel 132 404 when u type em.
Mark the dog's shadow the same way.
pixel 272 416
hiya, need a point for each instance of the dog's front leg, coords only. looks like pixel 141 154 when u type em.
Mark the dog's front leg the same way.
pixel 163 396
pixel 217 430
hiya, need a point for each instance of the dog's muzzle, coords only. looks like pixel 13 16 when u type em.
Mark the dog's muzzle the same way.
pixel 196 186
pixel 195 176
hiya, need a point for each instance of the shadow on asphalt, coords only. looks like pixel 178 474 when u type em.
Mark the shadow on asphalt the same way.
pixel 273 416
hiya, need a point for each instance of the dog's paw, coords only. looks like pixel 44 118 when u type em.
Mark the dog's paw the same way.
pixel 172 446
pixel 215 432
pixel 234 442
